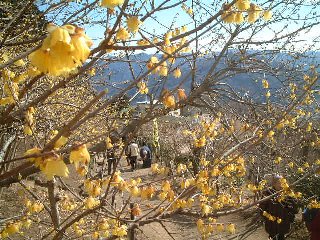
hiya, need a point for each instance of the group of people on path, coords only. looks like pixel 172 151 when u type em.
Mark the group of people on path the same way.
pixel 132 152
pixel 280 214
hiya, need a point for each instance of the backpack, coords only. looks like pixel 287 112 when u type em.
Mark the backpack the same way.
pixel 143 153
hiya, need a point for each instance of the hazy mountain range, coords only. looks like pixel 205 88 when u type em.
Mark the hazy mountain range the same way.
pixel 117 75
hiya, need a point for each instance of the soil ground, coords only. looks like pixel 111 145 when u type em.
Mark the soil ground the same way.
pixel 179 227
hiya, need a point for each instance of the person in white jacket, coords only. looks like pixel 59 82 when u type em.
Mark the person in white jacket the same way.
pixel 133 152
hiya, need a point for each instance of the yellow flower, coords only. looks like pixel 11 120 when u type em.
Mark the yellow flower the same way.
pixel 19 63
pixel 60 142
pixel 166 186
pixel 177 73
pixel 35 207
pixel 155 168
pixel 133 24
pixel 111 3
pixel 265 83
pixel 92 72
pixel 6 100
pixel 238 18
pixel 109 144
pixel 55 166
pixel 169 101
pixel 95 235
pixel 206 209
pixel 268 94
pixel 228 17
pixel 81 50
pixel 82 171
pixel 136 210
pixel 201 142
pixel 120 231
pixel 32 151
pixel 163 71
pixel 20 79
pixel 143 89
pixel 61 52
pixel 271 134
pixel 27 130
pixel 32 72
pixel 309 127
pixel 13 228
pixel 58 35
pixel 90 202
pixel 27 223
pixel 220 227
pixel 215 172
pixel 135 191
pixel 278 160
pixel 243 5
pixel 267 15
pixel 184 28
pixel 181 168
pixel 167 37
pixel 152 62
pixel 253 13
pixel 181 94
pixel 122 34
pixel 231 228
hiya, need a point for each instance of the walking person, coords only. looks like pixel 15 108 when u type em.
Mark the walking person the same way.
pixel 311 217
pixel 111 160
pixel 278 215
pixel 133 151
pixel 146 155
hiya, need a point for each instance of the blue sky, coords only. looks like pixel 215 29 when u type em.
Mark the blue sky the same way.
pixel 179 17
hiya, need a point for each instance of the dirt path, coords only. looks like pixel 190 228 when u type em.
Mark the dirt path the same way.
pixel 184 227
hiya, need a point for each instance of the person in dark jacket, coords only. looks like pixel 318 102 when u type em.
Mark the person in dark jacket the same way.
pixel 278 215
pixel 145 154
pixel 311 216
pixel 111 159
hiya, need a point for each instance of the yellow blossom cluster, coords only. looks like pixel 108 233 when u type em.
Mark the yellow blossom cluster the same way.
pixel 255 188
pixel 62 51
pixel 91 202
pixel 109 144
pixel 235 13
pixel 33 207
pixel 136 210
pixel 122 34
pixel 314 204
pixel 168 99
pixel 143 89
pixel 133 24
pixel 111 3
pixel 67 203
pixel 80 157
pixel 271 218
pixel 29 121
pixel 92 187
pixel 207 130
pixel 10 88
pixel 156 169
pixel 187 9
pixel 206 229
pixel 14 227
pixel 51 165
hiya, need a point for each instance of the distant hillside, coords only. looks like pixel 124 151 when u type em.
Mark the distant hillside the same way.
pixel 117 74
